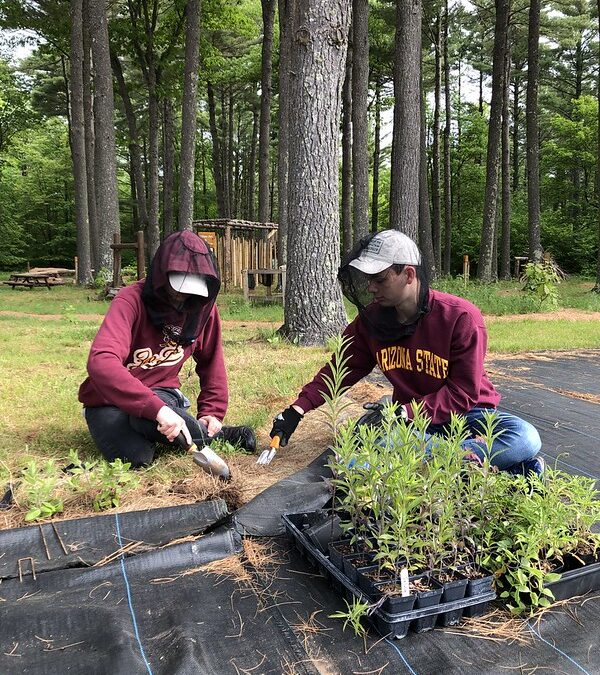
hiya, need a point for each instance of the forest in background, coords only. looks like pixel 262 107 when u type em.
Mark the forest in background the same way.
pixel 475 151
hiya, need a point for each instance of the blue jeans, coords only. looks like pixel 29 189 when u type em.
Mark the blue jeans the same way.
pixel 518 443
pixel 132 439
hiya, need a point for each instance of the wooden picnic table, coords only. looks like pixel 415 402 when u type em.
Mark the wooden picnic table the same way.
pixel 33 280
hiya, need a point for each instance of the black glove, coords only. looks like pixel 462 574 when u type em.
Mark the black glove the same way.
pixel 285 424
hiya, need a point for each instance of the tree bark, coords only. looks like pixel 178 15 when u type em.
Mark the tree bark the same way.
pixel 230 153
pixel 264 135
pixel 313 302
pixel 533 147
pixel 488 230
pixel 376 158
pixel 286 31
pixel 84 275
pixel 425 238
pixel 169 170
pixel 515 125
pixel 187 161
pixel 217 166
pixel 88 115
pixel 447 164
pixel 360 117
pixel 404 189
pixel 134 144
pixel 107 196
pixel 435 152
pixel 252 164
pixel 506 205
pixel 346 207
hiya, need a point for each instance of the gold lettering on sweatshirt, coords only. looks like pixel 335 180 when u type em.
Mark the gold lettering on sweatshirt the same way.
pixel 431 364
pixel 423 361
pixel 391 358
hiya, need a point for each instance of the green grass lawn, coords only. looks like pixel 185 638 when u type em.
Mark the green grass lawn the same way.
pixel 45 336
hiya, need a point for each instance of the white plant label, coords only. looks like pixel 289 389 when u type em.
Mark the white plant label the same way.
pixel 404 585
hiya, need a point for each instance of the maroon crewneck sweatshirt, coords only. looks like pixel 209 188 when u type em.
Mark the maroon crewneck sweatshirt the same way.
pixel 441 364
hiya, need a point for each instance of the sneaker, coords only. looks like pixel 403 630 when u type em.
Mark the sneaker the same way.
pixel 243 437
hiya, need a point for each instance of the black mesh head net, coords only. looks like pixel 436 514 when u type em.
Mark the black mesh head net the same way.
pixel 375 254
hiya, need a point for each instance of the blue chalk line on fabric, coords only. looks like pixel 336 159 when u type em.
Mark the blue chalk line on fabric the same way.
pixel 129 600
pixel 535 632
pixel 406 663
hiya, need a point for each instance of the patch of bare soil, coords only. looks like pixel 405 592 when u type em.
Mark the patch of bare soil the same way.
pixel 556 315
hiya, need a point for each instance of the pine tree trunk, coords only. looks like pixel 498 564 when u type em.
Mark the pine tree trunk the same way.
pixel 264 135
pixel 533 147
pixel 84 275
pixel 187 160
pixel 134 144
pixel 217 166
pixel 488 230
pixel 168 191
pixel 346 206
pixel 286 16
pixel 153 184
pixel 447 158
pixel 376 158
pixel 360 118
pixel 505 236
pixel 425 238
pixel 225 154
pixel 252 164
pixel 313 302
pixel 107 198
pixel 88 114
pixel 406 156
pixel 435 153
pixel 516 119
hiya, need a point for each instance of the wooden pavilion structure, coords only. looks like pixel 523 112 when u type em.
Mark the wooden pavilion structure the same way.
pixel 239 246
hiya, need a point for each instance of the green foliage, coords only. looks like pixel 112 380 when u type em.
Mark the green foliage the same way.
pixel 353 617
pixel 39 485
pixel 540 281
pixel 45 489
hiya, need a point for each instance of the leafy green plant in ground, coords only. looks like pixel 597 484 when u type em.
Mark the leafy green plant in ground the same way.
pixel 45 489
pixel 540 281
pixel 39 487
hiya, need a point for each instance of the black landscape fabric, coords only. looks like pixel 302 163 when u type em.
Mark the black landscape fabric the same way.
pixel 157 610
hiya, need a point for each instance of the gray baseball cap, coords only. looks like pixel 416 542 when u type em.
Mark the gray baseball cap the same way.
pixel 385 249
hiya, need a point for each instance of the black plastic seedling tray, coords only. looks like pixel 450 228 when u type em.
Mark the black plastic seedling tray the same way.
pixel 388 624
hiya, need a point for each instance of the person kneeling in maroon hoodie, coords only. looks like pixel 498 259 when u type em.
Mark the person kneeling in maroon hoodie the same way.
pixel 131 396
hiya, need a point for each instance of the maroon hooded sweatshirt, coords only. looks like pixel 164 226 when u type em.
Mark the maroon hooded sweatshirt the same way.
pixel 143 341
pixel 440 364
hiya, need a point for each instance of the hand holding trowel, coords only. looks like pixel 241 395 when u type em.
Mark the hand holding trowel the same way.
pixel 284 426
pixel 206 459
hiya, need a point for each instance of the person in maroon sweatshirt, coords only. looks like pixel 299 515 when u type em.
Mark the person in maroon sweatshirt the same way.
pixel 430 345
pixel 131 396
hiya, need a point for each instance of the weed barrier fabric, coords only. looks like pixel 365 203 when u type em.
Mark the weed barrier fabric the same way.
pixel 560 395
pixel 85 541
pixel 305 490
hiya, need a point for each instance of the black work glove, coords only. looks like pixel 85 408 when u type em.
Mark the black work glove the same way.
pixel 285 424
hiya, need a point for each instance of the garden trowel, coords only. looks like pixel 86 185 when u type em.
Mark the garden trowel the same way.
pixel 266 456
pixel 207 459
